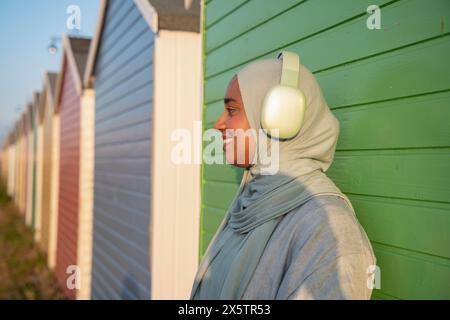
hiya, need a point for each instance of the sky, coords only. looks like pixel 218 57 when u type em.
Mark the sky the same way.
pixel 26 30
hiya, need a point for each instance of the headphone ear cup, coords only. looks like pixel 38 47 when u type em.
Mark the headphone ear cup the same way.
pixel 283 110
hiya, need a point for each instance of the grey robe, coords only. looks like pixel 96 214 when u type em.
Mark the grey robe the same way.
pixel 317 251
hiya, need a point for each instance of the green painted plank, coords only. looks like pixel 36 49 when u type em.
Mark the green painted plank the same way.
pixel 378 295
pixel 205 239
pixel 222 172
pixel 218 194
pixel 304 22
pixel 213 218
pixel 408 275
pixel 410 71
pixel 249 16
pixel 409 174
pixel 215 10
pixel 403 23
pixel 401 223
pixel 374 79
pixel 407 123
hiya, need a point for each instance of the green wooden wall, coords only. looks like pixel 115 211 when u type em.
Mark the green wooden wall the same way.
pixel 390 90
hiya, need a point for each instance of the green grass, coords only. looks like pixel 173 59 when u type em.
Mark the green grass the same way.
pixel 23 269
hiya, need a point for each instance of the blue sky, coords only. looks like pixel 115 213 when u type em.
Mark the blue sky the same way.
pixel 26 29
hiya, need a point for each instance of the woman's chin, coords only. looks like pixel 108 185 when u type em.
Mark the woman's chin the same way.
pixel 232 159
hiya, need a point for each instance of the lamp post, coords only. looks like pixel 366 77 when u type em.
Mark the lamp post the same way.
pixel 53 46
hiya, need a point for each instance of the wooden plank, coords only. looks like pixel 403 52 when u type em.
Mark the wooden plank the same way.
pixel 409 174
pixel 128 85
pixel 138 34
pixel 250 15
pixel 408 275
pixel 373 79
pixel 128 119
pixel 132 149
pixel 403 23
pixel 401 223
pixel 218 194
pixel 417 122
pixel 123 70
pixel 256 43
pixel 217 9
pixel 133 133
pixel 222 173
pixel 127 102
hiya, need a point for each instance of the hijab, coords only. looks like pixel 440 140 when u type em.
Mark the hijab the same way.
pixel 263 199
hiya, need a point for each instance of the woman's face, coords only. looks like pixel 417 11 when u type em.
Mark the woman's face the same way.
pixel 237 144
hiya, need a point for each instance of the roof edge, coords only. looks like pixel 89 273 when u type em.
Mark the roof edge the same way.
pixel 92 55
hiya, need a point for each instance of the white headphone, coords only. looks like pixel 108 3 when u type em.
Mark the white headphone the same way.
pixel 284 104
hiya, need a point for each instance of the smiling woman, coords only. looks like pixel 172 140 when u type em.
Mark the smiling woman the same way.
pixel 292 234
pixel 238 145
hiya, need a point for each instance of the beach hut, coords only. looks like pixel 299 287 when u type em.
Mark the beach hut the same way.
pixel 18 156
pixel 17 174
pixel 4 161
pixel 14 174
pixel 389 88
pixel 74 104
pixel 46 113
pixel 53 122
pixel 39 167
pixel 23 130
pixel 31 212
pixel 11 163
pixel 145 65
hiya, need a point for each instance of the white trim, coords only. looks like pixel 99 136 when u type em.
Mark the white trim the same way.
pixel 38 182
pixel 29 179
pixel 92 55
pixel 54 194
pixel 86 193
pixel 149 13
pixel 175 200
pixel 11 168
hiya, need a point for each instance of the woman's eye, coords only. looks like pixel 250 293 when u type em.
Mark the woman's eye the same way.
pixel 231 110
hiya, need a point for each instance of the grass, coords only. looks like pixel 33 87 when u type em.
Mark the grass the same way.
pixel 23 266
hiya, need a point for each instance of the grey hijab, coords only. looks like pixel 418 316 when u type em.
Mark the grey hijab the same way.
pixel 262 200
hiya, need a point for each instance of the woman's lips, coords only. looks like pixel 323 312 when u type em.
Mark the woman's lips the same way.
pixel 226 141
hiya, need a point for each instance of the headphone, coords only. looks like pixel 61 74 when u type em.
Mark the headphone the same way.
pixel 284 104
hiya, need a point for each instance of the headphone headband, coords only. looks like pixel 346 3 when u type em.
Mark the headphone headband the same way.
pixel 290 68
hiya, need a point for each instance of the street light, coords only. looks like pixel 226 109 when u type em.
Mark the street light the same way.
pixel 53 48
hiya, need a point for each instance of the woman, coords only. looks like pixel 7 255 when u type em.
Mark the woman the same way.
pixel 293 234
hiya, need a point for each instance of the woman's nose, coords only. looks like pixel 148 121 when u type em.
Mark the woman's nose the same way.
pixel 220 123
